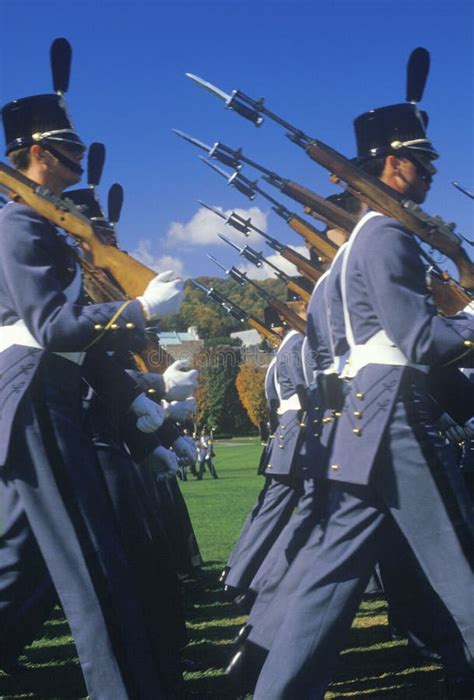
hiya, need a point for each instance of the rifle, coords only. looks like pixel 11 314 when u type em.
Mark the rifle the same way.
pixel 325 211
pixel 257 259
pixel 432 230
pixel 238 313
pixel 292 318
pixel 131 275
pixel 303 265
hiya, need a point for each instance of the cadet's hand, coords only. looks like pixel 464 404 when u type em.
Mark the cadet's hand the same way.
pixel 459 433
pixel 180 410
pixel 161 461
pixel 162 297
pixel 179 383
pixel 185 449
pixel 150 414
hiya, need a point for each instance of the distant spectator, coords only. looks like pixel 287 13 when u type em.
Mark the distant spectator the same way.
pixel 205 454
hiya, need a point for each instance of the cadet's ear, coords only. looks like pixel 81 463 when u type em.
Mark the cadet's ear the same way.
pixel 37 153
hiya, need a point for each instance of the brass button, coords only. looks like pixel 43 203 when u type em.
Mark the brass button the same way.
pixel 337 414
pixel 269 466
pixel 316 434
pixel 358 414
pixel 150 391
pixel 335 467
pixel 302 425
pixel 468 343
pixel 360 396
pixel 98 327
pixel 328 419
pixel 114 326
pixel 280 446
pixel 130 326
pixel 357 431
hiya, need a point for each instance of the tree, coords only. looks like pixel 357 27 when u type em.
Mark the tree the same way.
pixel 250 383
pixel 219 406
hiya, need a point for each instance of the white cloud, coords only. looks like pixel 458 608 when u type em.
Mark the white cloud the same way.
pixel 203 227
pixel 264 272
pixel 160 263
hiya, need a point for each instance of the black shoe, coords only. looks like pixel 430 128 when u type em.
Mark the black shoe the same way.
pixel 241 635
pixel 223 575
pixel 245 667
pixel 245 601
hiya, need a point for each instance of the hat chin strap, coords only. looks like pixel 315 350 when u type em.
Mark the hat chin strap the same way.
pixel 70 164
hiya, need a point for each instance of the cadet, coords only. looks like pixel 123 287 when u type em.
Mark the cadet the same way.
pixel 386 464
pixel 55 504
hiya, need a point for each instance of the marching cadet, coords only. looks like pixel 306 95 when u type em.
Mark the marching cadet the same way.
pixel 55 505
pixel 386 467
pixel 284 483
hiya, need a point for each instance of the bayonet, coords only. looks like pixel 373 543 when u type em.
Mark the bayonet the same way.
pixel 333 215
pixel 302 264
pixel 246 251
pixel 238 313
pixel 238 222
pixel 257 259
pixel 463 190
pixel 433 231
pixel 294 320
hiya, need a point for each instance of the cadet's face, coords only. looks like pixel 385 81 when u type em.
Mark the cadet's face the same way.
pixel 415 176
pixel 73 153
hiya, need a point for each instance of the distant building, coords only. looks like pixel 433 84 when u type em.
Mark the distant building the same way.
pixel 248 338
pixel 181 345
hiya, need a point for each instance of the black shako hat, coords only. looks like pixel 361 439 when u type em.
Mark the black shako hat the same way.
pixel 392 130
pixel 88 203
pixel 271 317
pixel 41 119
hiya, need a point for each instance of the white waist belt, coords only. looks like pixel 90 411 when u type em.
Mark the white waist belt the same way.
pixel 290 404
pixel 378 350
pixel 18 334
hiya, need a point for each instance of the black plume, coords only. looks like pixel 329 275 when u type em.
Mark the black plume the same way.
pixel 417 72
pixel 95 163
pixel 61 55
pixel 115 202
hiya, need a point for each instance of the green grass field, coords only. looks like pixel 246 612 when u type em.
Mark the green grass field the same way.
pixel 372 666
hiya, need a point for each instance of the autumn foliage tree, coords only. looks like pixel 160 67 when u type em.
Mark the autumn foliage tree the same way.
pixel 250 388
pixel 218 403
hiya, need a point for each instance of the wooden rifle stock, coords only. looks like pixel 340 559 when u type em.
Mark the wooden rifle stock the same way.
pixel 448 296
pixel 298 289
pixel 265 332
pixel 330 213
pixel 303 265
pixel 385 199
pixel 132 276
pixel 100 288
pixel 322 245
pixel 295 321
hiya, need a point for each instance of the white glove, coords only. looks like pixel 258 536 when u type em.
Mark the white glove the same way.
pixel 180 384
pixel 150 414
pixel 163 296
pixel 185 449
pixel 458 433
pixel 161 461
pixel 180 410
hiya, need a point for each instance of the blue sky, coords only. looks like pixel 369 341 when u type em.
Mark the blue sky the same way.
pixel 318 64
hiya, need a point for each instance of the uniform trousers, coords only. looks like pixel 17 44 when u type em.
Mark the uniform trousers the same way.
pixel 269 516
pixel 53 497
pixel 409 489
